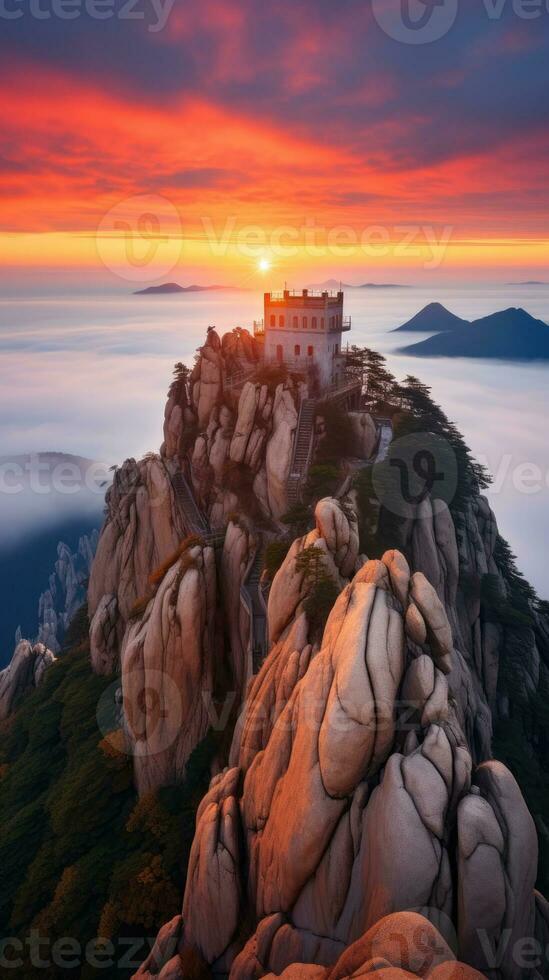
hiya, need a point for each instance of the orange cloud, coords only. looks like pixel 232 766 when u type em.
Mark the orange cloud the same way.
pixel 74 151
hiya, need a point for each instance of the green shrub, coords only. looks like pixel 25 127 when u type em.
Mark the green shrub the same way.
pixel 271 375
pixel 338 441
pixel 274 555
pixel 506 610
pixel 298 518
pixel 367 511
pixel 323 481
pixel 322 590
pixel 319 603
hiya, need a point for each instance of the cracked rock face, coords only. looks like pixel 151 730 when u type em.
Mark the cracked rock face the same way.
pixel 167 669
pixel 244 425
pixel 336 537
pixel 400 946
pixel 307 805
pixel 240 449
pixel 352 812
pixel 497 844
pixel 23 674
pixel 104 635
pixel 238 549
pixel 66 591
pixel 249 428
pixel 208 379
pixel 269 692
pixel 358 797
pixel 365 434
pixel 279 450
pixel 142 529
pixel 457 565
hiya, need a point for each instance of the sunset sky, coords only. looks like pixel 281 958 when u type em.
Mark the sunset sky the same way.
pixel 286 116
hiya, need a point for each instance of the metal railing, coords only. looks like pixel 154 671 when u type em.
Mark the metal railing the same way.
pixel 340 388
pixel 194 519
pixel 279 294
pixel 238 378
pixel 318 328
pixel 292 363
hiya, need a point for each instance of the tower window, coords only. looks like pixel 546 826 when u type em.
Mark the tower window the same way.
pixel 295 323
pixel 279 353
pixel 297 350
pixel 322 324
pixel 281 321
pixel 314 323
pixel 273 320
pixel 310 351
pixel 304 322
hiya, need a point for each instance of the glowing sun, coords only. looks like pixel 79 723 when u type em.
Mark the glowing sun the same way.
pixel 264 265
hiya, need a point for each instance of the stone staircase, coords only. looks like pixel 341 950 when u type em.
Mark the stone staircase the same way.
pixel 302 449
pixel 193 518
pixel 258 617
pixel 301 458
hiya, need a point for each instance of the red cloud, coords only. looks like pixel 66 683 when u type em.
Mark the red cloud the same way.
pixel 74 150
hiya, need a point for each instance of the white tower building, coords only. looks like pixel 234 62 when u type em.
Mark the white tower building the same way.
pixel 304 330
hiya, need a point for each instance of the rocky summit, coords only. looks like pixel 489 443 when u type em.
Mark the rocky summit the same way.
pixel 24 672
pixel 362 668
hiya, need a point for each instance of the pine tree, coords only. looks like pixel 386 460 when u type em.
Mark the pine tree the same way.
pixel 323 590
pixel 179 387
pixel 311 562
pixel 421 414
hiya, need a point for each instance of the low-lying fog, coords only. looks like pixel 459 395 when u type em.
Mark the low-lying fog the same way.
pixel 89 375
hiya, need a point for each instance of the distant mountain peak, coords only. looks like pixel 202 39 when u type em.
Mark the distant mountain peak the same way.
pixel 383 285
pixel 167 288
pixel 329 284
pixel 433 318
pixel 507 335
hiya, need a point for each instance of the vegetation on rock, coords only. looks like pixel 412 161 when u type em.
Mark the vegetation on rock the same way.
pixel 323 590
pixel 81 856
pixel 274 554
